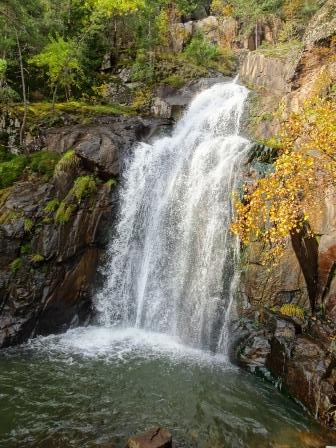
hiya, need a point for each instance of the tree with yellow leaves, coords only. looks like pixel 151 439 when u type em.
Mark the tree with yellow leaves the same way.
pixel 277 205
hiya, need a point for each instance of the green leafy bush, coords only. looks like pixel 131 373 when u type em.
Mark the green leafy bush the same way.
pixel 15 265
pixel 174 81
pixel 26 248
pixel 143 68
pixel 51 206
pixel 28 224
pixel 67 163
pixel 12 170
pixel 44 162
pixel 202 51
pixel 63 213
pixel 8 95
pixel 5 156
pixel 83 186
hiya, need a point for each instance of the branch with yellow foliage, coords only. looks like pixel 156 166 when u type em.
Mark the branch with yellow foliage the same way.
pixel 278 205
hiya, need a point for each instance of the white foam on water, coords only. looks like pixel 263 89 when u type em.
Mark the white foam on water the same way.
pixel 120 345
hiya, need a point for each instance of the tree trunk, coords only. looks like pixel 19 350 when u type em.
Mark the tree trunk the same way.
pixel 256 35
pixel 54 98
pixel 24 95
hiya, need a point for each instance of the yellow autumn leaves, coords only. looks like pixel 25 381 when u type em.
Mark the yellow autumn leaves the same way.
pixel 277 205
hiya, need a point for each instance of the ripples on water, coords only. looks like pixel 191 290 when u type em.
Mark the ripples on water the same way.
pixel 93 385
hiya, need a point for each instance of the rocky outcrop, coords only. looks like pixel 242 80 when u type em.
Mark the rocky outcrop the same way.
pixel 270 73
pixel 51 240
pixel 99 145
pixel 299 354
pixel 154 438
pixel 322 26
pixel 170 102
pixel 47 270
pixel 218 30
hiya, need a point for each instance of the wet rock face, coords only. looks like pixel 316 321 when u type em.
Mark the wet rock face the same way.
pixel 303 358
pixel 53 292
pixel 48 269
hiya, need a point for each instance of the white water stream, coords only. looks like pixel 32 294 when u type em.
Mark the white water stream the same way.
pixel 172 260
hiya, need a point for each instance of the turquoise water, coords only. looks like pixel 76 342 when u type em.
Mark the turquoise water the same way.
pixel 94 386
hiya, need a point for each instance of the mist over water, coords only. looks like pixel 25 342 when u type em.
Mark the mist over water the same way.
pixel 172 261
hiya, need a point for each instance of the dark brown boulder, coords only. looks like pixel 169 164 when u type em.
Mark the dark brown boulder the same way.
pixel 154 438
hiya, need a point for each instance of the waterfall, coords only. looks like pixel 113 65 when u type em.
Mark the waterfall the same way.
pixel 173 257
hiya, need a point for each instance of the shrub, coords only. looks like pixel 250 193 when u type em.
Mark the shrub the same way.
pixel 44 162
pixel 12 170
pixel 202 51
pixel 28 224
pixel 292 310
pixel 174 81
pixel 5 156
pixel 8 95
pixel 67 163
pixel 143 67
pixel 26 248
pixel 221 8
pixel 83 187
pixel 63 213
pixel 111 183
pixel 36 258
pixel 51 206
pixel 15 265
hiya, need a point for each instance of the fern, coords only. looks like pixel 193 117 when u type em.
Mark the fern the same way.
pixel 291 310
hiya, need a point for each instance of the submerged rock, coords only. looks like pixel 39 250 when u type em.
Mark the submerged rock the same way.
pixel 154 438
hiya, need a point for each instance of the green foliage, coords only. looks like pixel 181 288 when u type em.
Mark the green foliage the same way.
pixel 116 7
pixel 174 80
pixel 8 95
pixel 5 156
pixel 63 213
pixel 12 166
pixel 28 224
pixel 202 51
pixel 51 206
pixel 44 162
pixel 62 59
pixel 3 69
pixel 11 170
pixel 15 265
pixel 83 187
pixel 68 163
pixel 37 258
pixel 143 68
pixel 111 183
pixel 26 248
pixel 292 310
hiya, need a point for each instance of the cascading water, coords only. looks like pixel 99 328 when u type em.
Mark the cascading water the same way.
pixel 170 289
pixel 172 261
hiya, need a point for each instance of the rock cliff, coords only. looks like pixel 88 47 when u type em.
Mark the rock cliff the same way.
pixel 300 353
pixel 53 237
